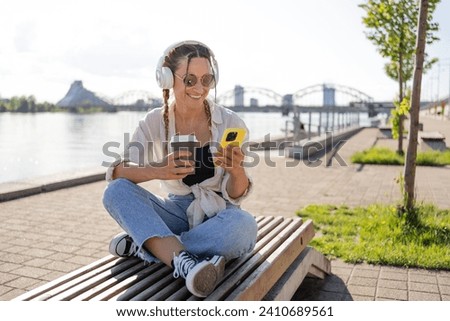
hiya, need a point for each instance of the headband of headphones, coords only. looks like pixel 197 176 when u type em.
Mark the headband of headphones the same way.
pixel 164 76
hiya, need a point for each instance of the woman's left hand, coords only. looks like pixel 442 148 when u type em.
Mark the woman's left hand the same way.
pixel 231 159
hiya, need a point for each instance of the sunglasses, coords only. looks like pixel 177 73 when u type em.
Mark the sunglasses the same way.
pixel 190 80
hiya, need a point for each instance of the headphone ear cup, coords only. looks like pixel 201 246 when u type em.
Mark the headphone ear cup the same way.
pixel 166 80
pixel 216 73
pixel 164 76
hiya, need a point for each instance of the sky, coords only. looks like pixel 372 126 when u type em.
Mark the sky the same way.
pixel 113 46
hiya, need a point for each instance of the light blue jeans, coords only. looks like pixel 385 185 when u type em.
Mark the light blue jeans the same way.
pixel 143 215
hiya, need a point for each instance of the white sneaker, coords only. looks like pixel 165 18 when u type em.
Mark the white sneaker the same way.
pixel 201 276
pixel 122 245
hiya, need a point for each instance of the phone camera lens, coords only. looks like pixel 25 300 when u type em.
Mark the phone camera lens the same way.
pixel 231 136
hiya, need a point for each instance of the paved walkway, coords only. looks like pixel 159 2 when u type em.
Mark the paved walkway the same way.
pixel 47 235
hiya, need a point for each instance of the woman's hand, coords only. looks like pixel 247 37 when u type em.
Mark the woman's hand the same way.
pixel 231 159
pixel 174 166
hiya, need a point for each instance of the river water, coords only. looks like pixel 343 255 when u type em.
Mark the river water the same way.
pixel 41 144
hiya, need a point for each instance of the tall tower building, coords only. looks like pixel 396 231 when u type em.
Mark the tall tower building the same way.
pixel 238 95
pixel 328 95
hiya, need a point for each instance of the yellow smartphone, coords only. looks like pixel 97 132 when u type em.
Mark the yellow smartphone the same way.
pixel 234 136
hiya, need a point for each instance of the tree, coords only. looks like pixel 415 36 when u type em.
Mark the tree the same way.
pixel 392 28
pixel 411 154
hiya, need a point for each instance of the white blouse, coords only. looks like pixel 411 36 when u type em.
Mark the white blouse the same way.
pixel 148 145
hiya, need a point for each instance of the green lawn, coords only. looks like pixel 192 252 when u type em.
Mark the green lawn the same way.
pixel 386 156
pixel 378 235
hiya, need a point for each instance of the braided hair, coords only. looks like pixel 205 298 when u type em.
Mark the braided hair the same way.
pixel 173 60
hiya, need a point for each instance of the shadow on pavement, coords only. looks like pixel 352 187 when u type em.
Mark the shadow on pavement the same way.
pixel 332 288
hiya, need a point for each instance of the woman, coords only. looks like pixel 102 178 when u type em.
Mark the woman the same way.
pixel 200 224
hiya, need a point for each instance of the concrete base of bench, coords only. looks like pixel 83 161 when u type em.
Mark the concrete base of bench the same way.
pixel 273 271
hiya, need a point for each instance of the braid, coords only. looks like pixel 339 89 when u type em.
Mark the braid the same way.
pixel 166 116
pixel 208 114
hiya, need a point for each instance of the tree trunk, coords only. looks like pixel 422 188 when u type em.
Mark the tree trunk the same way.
pixel 410 161
pixel 400 99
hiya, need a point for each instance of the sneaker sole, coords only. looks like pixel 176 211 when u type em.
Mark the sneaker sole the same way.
pixel 205 276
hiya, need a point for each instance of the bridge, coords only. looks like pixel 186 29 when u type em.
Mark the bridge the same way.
pixel 312 98
pixel 326 96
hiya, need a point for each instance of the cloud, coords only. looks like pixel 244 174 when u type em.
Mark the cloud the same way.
pixel 25 36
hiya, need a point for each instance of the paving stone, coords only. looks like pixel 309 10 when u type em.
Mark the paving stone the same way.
pixel 365 273
pixel 393 284
pixel 11 294
pixel 445 289
pixel 354 280
pixel 6 277
pixel 14 258
pixel 361 290
pixel 59 256
pixel 22 282
pixel 423 296
pixel 393 276
pixel 82 260
pixel 32 272
pixel 4 290
pixel 423 287
pixel 445 280
pixel 392 294
pixel 62 266
pixel 52 275
pixel 38 262
pixel 422 278
pixel 7 267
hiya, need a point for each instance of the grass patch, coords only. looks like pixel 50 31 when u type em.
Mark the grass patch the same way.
pixel 386 156
pixel 378 235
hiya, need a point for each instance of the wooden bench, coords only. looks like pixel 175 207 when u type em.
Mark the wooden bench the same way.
pixel 273 271
pixel 432 141
pixel 385 131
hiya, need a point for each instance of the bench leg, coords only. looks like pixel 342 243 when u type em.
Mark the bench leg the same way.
pixel 309 263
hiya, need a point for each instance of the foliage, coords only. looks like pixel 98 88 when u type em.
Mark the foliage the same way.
pixel 386 156
pixel 401 109
pixel 25 104
pixel 378 234
pixel 392 28
pixel 377 155
pixel 28 104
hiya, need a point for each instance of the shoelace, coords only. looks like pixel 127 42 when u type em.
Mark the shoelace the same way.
pixel 183 263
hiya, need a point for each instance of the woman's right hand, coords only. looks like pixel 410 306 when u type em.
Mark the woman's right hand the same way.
pixel 174 166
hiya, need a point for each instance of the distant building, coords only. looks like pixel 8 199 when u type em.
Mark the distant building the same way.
pixel 238 95
pixel 328 96
pixel 78 96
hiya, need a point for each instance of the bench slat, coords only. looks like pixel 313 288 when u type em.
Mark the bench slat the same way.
pixel 100 280
pixel 130 286
pixel 102 263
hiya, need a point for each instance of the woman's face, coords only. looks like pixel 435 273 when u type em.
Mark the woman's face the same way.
pixel 192 96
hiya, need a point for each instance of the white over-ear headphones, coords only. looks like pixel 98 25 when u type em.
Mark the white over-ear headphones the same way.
pixel 164 76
